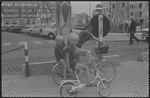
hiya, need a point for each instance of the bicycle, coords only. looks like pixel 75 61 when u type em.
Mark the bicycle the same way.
pixel 76 85
pixel 58 76
pixel 107 68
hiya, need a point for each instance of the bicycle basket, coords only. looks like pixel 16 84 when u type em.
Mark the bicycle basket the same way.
pixel 102 49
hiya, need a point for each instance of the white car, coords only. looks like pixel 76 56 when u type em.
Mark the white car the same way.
pixel 27 29
pixel 37 30
pixel 145 33
pixel 49 31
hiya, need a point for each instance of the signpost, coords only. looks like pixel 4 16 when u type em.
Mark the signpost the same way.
pixel 100 26
pixel 99 9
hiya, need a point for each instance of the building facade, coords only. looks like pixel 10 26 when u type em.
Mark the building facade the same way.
pixel 106 9
pixel 120 11
pixel 46 12
pixel 140 11
pixel 22 12
pixel 146 15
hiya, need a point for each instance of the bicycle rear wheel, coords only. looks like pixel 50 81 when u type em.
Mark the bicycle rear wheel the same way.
pixel 107 70
pixel 103 88
pixel 57 74
pixel 65 88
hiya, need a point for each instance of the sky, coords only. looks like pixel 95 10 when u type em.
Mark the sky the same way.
pixel 83 6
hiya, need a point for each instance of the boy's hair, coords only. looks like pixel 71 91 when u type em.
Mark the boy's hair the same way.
pixel 73 35
pixel 59 37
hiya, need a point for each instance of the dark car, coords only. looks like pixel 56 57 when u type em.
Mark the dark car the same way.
pixel 3 28
pixel 7 28
pixel 17 29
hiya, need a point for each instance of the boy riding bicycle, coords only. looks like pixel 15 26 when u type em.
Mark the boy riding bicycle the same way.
pixel 59 53
pixel 71 61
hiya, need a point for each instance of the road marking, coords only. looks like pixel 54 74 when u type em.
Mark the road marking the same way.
pixel 22 43
pixel 37 42
pixel 111 56
pixel 49 41
pixel 7 43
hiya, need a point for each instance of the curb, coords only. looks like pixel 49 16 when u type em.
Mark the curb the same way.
pixel 39 68
pixel 44 68
pixel 121 34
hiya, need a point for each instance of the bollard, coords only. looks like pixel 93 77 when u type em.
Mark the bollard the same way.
pixel 26 60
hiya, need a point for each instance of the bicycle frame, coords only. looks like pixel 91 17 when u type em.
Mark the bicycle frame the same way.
pixel 78 86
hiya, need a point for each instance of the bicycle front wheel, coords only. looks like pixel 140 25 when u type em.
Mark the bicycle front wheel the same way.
pixel 103 88
pixel 65 88
pixel 107 70
pixel 57 74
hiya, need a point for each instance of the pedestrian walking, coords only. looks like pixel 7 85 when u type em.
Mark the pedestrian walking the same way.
pixel 132 30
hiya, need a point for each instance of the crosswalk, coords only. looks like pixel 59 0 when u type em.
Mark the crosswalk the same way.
pixel 34 42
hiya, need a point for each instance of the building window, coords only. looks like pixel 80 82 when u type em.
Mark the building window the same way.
pixel 140 6
pixel 140 14
pixel 13 22
pixel 33 21
pixel 147 13
pixel 131 13
pixel 18 4
pixel 7 22
pixel 113 6
pixel 123 4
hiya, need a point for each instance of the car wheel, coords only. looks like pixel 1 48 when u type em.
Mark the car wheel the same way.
pixel 51 36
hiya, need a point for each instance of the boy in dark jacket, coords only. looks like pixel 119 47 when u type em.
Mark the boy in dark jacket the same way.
pixel 59 53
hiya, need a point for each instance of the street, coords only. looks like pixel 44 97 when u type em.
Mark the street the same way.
pixel 40 50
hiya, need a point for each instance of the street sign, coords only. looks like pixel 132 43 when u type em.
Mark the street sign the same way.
pixel 94 24
pixel 99 8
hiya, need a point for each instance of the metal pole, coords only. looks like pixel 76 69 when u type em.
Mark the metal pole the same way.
pixel 89 10
pixel 100 29
pixel 26 60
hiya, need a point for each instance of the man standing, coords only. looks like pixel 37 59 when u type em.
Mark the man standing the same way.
pixel 132 30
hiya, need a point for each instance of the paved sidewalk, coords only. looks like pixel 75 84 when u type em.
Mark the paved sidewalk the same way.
pixel 131 79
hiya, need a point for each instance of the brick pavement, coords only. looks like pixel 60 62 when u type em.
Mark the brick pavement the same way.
pixel 43 86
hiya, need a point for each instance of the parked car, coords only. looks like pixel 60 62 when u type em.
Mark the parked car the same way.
pixel 7 28
pixel 145 33
pixel 16 26
pixel 49 31
pixel 27 29
pixel 37 30
pixel 3 28
pixel 17 29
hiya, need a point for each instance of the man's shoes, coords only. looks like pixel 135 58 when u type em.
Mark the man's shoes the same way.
pixel 137 41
